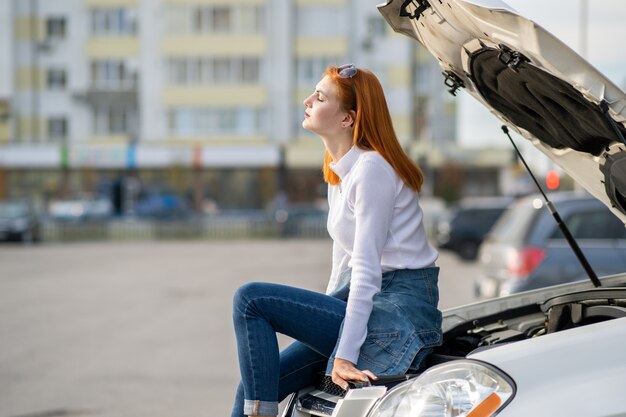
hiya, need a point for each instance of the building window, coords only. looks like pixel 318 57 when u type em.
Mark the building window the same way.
pixel 178 20
pixel 198 16
pixel 55 28
pixel 57 128
pixel 113 22
pixel 221 19
pixel 113 120
pixel 208 19
pixel 424 76
pixel 207 70
pixel 112 74
pixel 4 111
pixel 250 70
pixel 376 26
pixel 56 79
pixel 222 70
pixel 322 21
pixel 187 121
pixel 252 19
pixel 309 70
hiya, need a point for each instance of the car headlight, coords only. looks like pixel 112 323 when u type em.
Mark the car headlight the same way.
pixel 462 388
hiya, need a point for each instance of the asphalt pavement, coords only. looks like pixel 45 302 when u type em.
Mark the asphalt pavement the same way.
pixel 143 329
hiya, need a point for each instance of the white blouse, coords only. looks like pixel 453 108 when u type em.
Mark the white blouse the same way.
pixel 376 225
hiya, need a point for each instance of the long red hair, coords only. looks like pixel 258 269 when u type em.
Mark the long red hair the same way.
pixel 373 129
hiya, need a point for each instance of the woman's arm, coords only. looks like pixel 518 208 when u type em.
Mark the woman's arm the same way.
pixel 374 200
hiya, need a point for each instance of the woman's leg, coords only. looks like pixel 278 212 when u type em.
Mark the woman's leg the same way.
pixel 299 365
pixel 260 311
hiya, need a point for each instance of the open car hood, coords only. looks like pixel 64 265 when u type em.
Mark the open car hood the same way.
pixel 531 81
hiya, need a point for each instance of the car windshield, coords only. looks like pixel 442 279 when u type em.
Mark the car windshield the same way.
pixel 515 221
pixel 10 210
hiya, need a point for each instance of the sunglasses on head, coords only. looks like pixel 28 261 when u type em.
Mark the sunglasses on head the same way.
pixel 347 71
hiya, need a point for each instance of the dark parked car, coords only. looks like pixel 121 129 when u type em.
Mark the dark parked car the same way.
pixel 464 227
pixel 526 250
pixel 19 222
pixel 162 206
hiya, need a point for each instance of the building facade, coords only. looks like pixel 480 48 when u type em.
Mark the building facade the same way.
pixel 201 97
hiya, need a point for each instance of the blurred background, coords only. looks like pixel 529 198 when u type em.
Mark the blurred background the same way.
pixel 129 119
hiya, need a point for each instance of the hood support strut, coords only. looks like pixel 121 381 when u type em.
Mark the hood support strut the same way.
pixel 568 235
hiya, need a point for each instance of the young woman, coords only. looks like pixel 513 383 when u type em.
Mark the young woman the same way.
pixel 379 315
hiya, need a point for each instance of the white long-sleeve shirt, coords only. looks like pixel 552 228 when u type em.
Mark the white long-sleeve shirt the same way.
pixel 376 225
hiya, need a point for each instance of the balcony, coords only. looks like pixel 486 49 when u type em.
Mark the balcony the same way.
pixel 109 93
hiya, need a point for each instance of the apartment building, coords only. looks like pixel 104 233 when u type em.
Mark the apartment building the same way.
pixel 203 97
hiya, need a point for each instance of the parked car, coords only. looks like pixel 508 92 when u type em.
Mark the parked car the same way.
pixel 527 250
pixel 19 222
pixel 530 354
pixel 464 227
pixel 162 206
pixel 553 351
pixel 79 210
pixel 302 220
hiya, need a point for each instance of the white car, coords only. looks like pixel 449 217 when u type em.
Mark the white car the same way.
pixel 557 351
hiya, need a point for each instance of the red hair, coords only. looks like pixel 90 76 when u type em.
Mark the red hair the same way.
pixel 373 129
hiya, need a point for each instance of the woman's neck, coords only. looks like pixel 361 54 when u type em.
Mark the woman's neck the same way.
pixel 337 147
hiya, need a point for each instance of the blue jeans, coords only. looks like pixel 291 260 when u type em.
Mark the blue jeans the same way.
pixel 260 310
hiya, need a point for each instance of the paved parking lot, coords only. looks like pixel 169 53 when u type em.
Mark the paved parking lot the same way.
pixel 143 329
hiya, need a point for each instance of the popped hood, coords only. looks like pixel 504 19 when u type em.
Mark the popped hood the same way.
pixel 531 81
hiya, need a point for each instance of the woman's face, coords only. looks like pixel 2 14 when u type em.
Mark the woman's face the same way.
pixel 324 114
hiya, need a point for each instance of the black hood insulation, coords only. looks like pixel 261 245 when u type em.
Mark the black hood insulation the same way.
pixel 614 170
pixel 544 105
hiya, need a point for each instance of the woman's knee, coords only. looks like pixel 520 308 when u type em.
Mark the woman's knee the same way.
pixel 248 293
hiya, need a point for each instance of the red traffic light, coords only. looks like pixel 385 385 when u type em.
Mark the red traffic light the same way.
pixel 553 180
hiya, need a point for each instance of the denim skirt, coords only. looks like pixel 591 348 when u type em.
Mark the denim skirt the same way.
pixel 405 323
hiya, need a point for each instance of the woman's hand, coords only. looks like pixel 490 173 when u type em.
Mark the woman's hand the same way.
pixel 344 371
